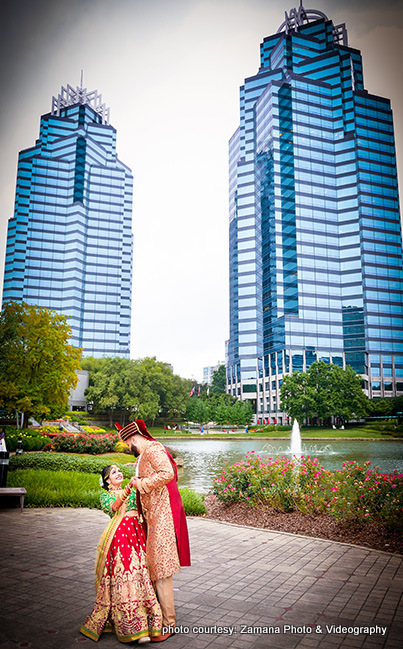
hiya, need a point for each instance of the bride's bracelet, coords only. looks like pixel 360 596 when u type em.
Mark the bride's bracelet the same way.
pixel 125 494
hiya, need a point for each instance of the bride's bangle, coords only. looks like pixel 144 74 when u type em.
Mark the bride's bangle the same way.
pixel 126 493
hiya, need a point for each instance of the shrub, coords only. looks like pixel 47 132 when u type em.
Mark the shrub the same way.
pixel 50 431
pixel 94 430
pixel 270 428
pixel 192 502
pixel 32 438
pixel 63 462
pixel 80 443
pixel 385 426
pixel 122 447
pixel 354 492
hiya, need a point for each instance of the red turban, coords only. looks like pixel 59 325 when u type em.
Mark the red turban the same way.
pixel 138 426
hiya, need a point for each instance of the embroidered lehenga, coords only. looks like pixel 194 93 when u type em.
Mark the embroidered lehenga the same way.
pixel 125 599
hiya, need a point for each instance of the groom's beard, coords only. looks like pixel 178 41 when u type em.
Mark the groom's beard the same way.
pixel 134 450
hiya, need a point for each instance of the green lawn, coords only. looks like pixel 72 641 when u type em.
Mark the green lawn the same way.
pixel 316 433
pixel 70 489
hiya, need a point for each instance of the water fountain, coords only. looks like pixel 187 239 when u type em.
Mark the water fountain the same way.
pixel 296 448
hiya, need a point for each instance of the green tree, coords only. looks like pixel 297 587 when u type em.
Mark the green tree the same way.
pixel 349 401
pixel 111 387
pixel 241 413
pixel 219 381
pixel 135 389
pixel 198 411
pixel 222 412
pixel 223 409
pixel 326 390
pixel 37 363
pixel 297 396
pixel 380 407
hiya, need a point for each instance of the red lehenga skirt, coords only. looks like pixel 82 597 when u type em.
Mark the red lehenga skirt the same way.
pixel 125 601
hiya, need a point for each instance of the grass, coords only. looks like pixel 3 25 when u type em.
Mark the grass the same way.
pixel 317 433
pixel 348 433
pixel 57 488
pixel 112 458
pixel 47 488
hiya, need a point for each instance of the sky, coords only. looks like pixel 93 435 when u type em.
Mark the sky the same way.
pixel 170 71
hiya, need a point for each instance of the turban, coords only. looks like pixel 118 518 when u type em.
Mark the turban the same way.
pixel 135 427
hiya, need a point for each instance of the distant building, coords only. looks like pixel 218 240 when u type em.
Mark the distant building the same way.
pixel 69 244
pixel 77 400
pixel 209 371
pixel 315 236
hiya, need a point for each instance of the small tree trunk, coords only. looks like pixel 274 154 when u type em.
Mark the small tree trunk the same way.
pixel 25 419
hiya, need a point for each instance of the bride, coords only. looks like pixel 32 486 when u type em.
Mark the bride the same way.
pixel 125 599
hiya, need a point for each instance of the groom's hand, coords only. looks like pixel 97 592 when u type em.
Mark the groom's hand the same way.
pixel 133 483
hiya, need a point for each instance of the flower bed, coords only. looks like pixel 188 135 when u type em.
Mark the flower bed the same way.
pixel 32 439
pixel 63 462
pixel 93 429
pixel 285 484
pixel 80 443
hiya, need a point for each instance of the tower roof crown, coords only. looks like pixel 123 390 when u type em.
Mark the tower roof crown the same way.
pixel 70 96
pixel 296 18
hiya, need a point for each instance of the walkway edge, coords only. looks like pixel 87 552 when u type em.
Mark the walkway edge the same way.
pixel 313 538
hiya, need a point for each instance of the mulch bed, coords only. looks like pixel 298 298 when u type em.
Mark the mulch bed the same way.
pixel 322 526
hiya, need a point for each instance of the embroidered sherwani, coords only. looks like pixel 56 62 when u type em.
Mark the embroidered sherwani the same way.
pixel 155 472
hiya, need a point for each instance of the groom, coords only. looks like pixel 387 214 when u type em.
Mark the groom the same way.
pixel 159 500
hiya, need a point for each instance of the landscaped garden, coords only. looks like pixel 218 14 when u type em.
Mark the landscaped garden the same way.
pixel 356 503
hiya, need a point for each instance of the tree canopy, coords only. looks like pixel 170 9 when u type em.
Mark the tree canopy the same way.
pixel 221 408
pixel 37 363
pixel 325 390
pixel 219 381
pixel 135 389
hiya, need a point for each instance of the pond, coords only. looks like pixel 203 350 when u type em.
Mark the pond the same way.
pixel 204 459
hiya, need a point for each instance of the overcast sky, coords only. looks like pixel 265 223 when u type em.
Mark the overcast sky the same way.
pixel 170 71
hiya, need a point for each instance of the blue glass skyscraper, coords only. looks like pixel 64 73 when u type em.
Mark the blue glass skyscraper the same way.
pixel 315 235
pixel 69 244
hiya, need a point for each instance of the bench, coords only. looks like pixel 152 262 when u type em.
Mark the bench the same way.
pixel 14 491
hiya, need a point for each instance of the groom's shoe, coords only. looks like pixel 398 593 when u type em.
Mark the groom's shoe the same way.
pixel 162 637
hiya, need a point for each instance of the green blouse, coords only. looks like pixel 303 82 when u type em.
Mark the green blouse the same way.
pixel 109 497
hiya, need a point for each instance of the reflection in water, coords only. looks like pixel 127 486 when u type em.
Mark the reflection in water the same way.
pixel 204 459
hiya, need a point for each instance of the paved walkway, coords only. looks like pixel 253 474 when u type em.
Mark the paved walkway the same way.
pixel 247 588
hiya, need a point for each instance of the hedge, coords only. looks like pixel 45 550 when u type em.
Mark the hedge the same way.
pixel 64 462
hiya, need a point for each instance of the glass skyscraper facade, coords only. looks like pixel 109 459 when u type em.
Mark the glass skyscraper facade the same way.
pixel 315 234
pixel 69 244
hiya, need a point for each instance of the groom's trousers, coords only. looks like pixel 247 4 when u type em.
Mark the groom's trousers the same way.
pixel 165 593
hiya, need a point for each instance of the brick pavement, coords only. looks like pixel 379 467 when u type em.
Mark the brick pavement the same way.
pixel 267 588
